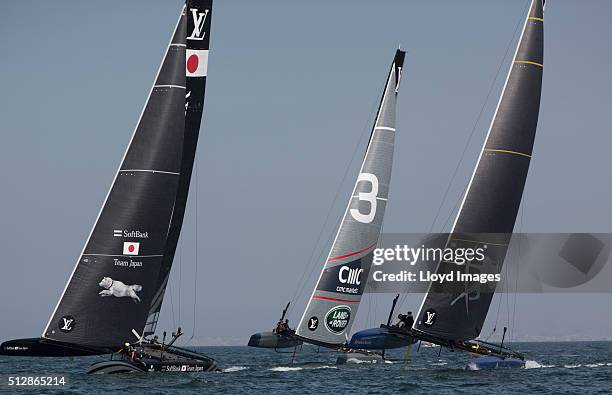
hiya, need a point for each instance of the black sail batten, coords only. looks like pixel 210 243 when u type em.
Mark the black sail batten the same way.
pixel 488 212
pixel 118 283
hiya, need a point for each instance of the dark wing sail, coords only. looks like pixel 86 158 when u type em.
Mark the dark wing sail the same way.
pixel 335 299
pixel 118 283
pixel 199 15
pixel 490 206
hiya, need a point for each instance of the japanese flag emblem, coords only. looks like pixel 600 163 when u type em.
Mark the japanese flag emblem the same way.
pixel 196 62
pixel 130 248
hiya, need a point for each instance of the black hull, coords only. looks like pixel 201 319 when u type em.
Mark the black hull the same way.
pixel 474 347
pixel 155 358
pixel 115 367
pixel 39 347
pixel 273 340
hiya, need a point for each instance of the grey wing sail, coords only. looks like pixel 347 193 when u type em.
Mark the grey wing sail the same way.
pixel 333 305
pixel 491 203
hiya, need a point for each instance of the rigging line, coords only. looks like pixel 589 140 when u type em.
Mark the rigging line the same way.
pixel 180 279
pixel 195 278
pixel 507 297
pixel 499 68
pixel 313 266
pixel 455 207
pixel 171 303
pixel 375 307
pixel 499 300
pixel 517 267
pixel 380 242
pixel 369 310
pixel 310 262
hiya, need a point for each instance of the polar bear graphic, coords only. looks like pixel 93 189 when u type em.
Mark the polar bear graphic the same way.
pixel 119 290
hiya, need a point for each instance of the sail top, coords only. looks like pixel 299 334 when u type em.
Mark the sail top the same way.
pixel 118 283
pixel 333 305
pixel 490 206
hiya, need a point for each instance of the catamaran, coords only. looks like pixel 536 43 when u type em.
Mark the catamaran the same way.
pixel 116 289
pixel 453 316
pixel 331 309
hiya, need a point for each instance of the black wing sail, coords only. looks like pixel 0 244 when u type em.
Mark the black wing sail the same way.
pixel 119 281
pixel 490 206
pixel 198 15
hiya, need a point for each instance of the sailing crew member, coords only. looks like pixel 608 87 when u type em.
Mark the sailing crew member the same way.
pixel 279 326
pixel 129 351
pixel 282 326
pixel 405 320
pixel 409 320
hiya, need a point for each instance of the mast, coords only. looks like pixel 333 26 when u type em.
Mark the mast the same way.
pixel 489 208
pixel 333 305
pixel 119 280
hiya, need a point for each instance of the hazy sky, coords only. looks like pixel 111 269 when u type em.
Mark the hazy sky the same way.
pixel 290 98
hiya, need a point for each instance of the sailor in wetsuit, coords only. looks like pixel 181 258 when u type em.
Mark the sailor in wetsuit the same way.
pixel 129 351
pixel 405 320
pixel 278 327
pixel 409 320
pixel 282 326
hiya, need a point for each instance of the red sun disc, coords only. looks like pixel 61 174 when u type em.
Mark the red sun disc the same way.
pixel 192 63
pixel 131 248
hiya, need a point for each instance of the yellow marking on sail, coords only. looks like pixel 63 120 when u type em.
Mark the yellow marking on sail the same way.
pixel 507 152
pixel 480 242
pixel 529 62
pixel 533 18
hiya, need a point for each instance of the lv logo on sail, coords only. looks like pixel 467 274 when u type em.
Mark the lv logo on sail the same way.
pixel 431 318
pixel 66 324
pixel 199 18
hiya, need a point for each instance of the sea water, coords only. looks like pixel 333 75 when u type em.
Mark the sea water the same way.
pixel 563 367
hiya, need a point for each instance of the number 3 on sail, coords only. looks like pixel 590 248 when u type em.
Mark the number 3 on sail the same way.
pixel 369 197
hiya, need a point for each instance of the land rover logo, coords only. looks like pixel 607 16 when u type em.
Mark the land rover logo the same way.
pixel 337 319
pixel 66 323
pixel 429 317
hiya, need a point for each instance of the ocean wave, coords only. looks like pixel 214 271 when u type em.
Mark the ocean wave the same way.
pixel 285 368
pixel 536 365
pixel 598 365
pixel 234 369
pixel 356 360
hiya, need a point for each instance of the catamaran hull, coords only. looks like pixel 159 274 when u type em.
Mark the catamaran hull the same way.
pixel 379 339
pixel 157 358
pixel 482 363
pixel 111 367
pixel 39 347
pixel 114 367
pixel 272 340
